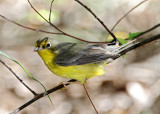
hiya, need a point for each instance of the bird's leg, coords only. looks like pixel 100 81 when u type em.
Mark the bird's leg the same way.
pixel 65 83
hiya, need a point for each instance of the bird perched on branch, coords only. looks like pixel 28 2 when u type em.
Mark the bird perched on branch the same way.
pixel 77 60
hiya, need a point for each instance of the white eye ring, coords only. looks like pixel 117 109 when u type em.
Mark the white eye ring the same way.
pixel 48 45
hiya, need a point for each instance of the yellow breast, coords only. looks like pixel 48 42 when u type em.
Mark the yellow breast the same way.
pixel 78 72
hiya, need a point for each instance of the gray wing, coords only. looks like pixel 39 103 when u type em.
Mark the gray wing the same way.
pixel 79 54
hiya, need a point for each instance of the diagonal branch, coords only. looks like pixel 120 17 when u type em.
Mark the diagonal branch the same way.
pixel 125 15
pixel 144 42
pixel 87 8
pixel 43 17
pixel 90 98
pixel 62 32
pixel 33 29
pixel 42 95
pixel 47 32
pixel 33 92
pixel 50 12
pixel 149 30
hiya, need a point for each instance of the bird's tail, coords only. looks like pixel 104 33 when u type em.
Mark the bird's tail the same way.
pixel 123 48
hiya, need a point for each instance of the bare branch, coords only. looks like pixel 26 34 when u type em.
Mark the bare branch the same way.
pixel 43 17
pixel 147 31
pixel 125 15
pixel 33 29
pixel 87 8
pixel 62 32
pixel 42 95
pixel 33 92
pixel 90 98
pixel 50 11
pixel 146 41
pixel 47 32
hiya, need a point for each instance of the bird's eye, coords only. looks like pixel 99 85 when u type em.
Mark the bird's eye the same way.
pixel 48 45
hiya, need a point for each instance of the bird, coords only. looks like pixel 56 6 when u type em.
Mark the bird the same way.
pixel 78 61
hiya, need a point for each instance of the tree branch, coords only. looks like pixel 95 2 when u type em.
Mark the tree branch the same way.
pixel 102 23
pixel 50 12
pixel 33 92
pixel 62 32
pixel 125 15
pixel 47 32
pixel 38 96
pixel 138 44
pixel 33 29
pixel 37 30
pixel 149 30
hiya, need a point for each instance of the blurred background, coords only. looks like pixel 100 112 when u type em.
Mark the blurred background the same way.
pixel 130 85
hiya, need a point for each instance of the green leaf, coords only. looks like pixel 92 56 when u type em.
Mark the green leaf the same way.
pixel 27 73
pixel 122 41
pixel 132 35
pixel 123 56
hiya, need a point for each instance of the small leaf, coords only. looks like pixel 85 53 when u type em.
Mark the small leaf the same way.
pixel 122 41
pixel 123 56
pixel 132 35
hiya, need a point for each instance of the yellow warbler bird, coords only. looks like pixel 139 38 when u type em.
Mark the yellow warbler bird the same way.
pixel 76 60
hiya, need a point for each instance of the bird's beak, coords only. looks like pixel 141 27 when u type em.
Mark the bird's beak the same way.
pixel 36 49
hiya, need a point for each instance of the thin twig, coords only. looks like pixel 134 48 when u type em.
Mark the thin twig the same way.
pixel 87 8
pixel 146 41
pixel 50 12
pixel 47 32
pixel 144 32
pixel 42 95
pixel 33 92
pixel 149 30
pixel 125 15
pixel 33 29
pixel 90 98
pixel 37 30
pixel 62 32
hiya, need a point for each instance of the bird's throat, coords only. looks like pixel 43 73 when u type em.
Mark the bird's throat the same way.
pixel 47 55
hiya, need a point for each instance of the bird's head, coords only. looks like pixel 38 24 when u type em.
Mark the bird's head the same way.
pixel 42 44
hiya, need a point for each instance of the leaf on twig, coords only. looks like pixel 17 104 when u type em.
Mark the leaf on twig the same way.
pixel 122 41
pixel 132 35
